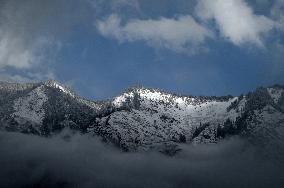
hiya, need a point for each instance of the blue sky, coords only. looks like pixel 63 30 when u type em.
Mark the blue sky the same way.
pixel 101 48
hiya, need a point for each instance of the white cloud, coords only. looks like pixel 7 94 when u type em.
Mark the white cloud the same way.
pixel 181 34
pixel 236 20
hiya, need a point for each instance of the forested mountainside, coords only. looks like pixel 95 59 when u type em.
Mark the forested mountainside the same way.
pixel 142 118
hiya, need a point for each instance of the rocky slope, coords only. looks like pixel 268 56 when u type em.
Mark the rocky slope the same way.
pixel 141 118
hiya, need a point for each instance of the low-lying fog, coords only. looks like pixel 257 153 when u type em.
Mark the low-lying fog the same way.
pixel 75 160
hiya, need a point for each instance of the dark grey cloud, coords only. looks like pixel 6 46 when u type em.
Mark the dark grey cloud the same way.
pixel 74 160
pixel 32 32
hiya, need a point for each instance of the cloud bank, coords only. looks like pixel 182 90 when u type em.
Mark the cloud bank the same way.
pixel 176 34
pixel 74 160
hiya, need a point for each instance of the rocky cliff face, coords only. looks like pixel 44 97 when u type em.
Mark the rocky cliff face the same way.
pixel 140 118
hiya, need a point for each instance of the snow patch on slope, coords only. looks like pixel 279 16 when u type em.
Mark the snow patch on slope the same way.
pixel 118 101
pixel 31 107
pixel 56 85
pixel 163 117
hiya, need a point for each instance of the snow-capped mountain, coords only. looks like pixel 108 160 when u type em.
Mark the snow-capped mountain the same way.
pixel 43 108
pixel 141 118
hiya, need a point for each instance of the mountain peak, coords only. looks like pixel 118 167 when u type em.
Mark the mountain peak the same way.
pixel 51 82
pixel 61 87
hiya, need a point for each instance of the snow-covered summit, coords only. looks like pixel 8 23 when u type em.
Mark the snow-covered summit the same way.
pixel 57 85
pixel 156 95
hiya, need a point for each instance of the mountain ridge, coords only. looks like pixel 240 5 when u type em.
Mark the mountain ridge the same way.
pixel 140 118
